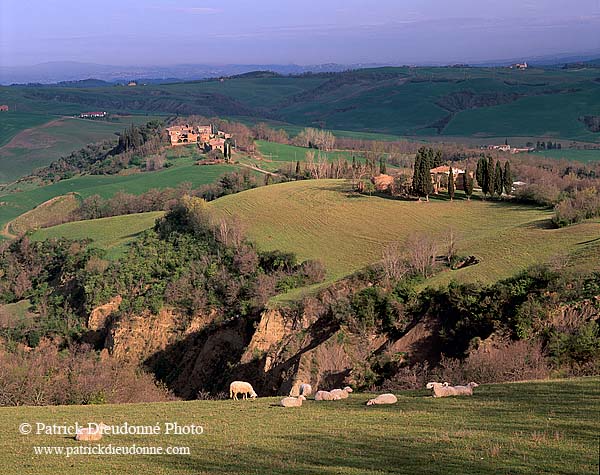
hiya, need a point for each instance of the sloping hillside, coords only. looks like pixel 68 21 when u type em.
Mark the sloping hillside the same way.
pixel 323 220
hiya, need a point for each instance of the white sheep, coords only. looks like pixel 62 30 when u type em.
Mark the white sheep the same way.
pixel 444 390
pixel 465 390
pixel 342 393
pixel 326 396
pixel 241 387
pixel 305 389
pixel 292 401
pixel 440 389
pixel 92 433
pixel 387 398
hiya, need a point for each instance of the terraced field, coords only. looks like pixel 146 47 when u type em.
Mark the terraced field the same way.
pixel 522 429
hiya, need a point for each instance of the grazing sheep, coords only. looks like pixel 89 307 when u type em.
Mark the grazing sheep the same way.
pixel 292 401
pixel 383 399
pixel 305 390
pixel 342 393
pixel 241 387
pixel 326 396
pixel 91 433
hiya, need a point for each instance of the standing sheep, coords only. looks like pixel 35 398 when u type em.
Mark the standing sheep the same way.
pixel 241 387
pixel 305 389
pixel 292 401
pixel 387 398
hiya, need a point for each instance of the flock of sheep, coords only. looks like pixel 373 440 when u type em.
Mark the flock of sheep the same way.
pixel 439 390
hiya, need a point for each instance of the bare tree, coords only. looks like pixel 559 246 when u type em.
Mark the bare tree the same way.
pixel 422 250
pixel 394 262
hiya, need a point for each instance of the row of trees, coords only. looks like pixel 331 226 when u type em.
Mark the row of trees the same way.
pixel 492 178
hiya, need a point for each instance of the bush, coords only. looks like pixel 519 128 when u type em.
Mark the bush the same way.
pixel 47 376
pixel 579 206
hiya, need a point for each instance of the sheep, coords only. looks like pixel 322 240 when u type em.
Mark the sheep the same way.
pixel 326 396
pixel 241 387
pixel 444 390
pixel 465 390
pixel 292 401
pixel 92 433
pixel 387 398
pixel 440 389
pixel 342 393
pixel 305 389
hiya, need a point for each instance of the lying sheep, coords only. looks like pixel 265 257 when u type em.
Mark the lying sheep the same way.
pixel 444 390
pixel 241 387
pixel 440 389
pixel 292 401
pixel 465 390
pixel 342 393
pixel 326 396
pixel 92 433
pixel 305 390
pixel 383 399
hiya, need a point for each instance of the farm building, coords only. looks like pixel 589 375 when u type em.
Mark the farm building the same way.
pixel 93 115
pixel 3 108
pixel 382 182
pixel 203 135
pixel 439 177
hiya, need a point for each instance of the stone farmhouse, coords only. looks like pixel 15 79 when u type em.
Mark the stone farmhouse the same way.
pixel 3 108
pixel 203 135
pixel 439 177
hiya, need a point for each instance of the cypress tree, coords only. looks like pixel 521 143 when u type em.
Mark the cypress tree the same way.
pixel 422 184
pixel 498 182
pixel 488 181
pixel 298 168
pixel 507 178
pixel 480 171
pixel 451 187
pixel 468 184
pixel 382 166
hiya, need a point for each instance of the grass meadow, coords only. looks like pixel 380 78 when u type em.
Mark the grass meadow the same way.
pixel 185 171
pixel 324 220
pixel 111 234
pixel 40 144
pixel 521 428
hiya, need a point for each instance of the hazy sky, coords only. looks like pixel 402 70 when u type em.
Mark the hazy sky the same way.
pixel 162 32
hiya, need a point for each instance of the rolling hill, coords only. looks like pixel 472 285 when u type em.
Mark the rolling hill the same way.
pixel 32 140
pixel 323 220
pixel 419 102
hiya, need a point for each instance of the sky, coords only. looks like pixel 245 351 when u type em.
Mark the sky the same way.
pixel 166 32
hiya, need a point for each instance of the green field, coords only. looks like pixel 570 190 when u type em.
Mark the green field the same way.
pixel 32 145
pixel 15 204
pixel 471 102
pixel 112 234
pixel 571 155
pixel 323 220
pixel 523 428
